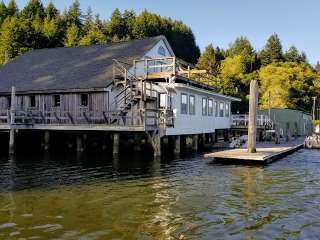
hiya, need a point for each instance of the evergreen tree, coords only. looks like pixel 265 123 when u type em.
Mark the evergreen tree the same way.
pixel 317 66
pixel 72 36
pixel 88 21
pixel 3 12
pixel 95 34
pixel 207 61
pixel 34 9
pixel 51 11
pixel 12 8
pixel 74 16
pixel 292 55
pixel 241 46
pixel 272 51
pixel 10 38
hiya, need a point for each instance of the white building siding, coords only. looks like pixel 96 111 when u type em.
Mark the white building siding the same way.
pixel 196 123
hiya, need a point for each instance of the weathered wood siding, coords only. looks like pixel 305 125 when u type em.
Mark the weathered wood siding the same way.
pixel 69 102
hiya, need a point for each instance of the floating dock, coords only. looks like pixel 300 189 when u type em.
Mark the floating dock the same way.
pixel 264 155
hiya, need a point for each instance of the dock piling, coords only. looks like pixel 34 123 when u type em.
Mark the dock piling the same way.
pixel 46 140
pixel 195 142
pixel 177 145
pixel 253 107
pixel 116 142
pixel 12 142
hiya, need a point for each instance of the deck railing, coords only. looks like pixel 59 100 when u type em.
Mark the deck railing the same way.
pixel 241 120
pixel 146 118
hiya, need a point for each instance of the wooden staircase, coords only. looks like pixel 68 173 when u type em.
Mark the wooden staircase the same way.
pixel 130 91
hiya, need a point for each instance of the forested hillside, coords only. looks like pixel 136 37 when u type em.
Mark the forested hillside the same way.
pixel 286 78
pixel 38 26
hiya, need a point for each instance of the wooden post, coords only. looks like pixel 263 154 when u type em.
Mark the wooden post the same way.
pixel 195 142
pixel 79 143
pixel 157 146
pixel 177 145
pixel 46 140
pixel 137 143
pixel 116 142
pixel 253 108
pixel 12 121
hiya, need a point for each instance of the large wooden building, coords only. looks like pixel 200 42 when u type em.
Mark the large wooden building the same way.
pixel 134 86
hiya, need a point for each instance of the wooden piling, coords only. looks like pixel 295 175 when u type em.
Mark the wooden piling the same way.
pixel 46 140
pixel 253 108
pixel 195 142
pixel 177 147
pixel 12 142
pixel 157 146
pixel 12 134
pixel 79 143
pixel 116 142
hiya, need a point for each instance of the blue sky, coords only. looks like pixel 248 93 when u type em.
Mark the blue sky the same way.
pixel 222 21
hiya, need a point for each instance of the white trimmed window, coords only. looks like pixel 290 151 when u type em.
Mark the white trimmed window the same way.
pixel 227 114
pixel 204 106
pixel 210 107
pixel 216 109
pixel 184 103
pixel 221 109
pixel 192 104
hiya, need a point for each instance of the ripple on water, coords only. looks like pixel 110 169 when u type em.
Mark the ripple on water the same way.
pixel 63 198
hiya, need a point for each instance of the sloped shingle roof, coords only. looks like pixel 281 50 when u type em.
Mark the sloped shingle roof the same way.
pixel 70 68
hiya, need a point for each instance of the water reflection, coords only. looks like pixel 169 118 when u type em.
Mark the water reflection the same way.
pixel 101 197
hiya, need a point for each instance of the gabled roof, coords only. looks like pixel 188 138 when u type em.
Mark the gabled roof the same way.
pixel 80 67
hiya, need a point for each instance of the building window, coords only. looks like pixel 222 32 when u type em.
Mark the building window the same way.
pixel 210 107
pixel 84 98
pixel 192 104
pixel 221 109
pixel 56 99
pixel 204 106
pixel 184 103
pixel 32 101
pixel 161 51
pixel 162 100
pixel 227 110
pixel 9 102
pixel 216 109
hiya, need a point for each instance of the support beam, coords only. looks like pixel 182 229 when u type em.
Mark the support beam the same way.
pixel 253 108
pixel 104 141
pixel 79 143
pixel 177 143
pixel 12 142
pixel 12 121
pixel 195 142
pixel 116 143
pixel 157 146
pixel 137 143
pixel 46 140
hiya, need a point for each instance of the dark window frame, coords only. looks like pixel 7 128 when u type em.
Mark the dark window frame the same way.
pixel 32 101
pixel 55 102
pixel 84 102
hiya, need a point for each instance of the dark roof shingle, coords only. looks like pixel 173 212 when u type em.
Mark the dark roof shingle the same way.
pixel 70 68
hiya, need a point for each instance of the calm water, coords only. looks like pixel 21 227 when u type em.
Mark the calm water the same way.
pixel 95 197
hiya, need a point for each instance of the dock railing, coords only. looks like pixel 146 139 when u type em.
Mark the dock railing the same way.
pixel 241 120
pixel 149 118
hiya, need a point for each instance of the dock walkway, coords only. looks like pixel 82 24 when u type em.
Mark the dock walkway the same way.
pixel 266 153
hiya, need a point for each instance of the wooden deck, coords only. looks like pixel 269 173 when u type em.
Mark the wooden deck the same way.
pixel 264 155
